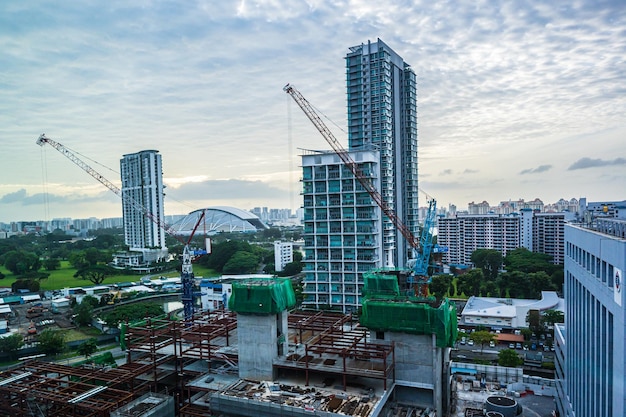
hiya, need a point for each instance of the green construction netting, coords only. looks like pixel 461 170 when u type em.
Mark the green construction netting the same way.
pixel 262 296
pixel 411 315
pixel 379 284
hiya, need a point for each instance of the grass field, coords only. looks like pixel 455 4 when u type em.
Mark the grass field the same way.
pixel 64 277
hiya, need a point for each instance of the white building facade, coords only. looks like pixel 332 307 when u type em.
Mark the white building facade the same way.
pixel 142 182
pixel 283 254
pixel 530 229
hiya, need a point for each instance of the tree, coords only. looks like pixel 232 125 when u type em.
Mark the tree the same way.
pixel 21 262
pixel 11 344
pixel 521 259
pixel 538 281
pixel 222 252
pixel 509 357
pixel 481 337
pixel 51 341
pixel 84 313
pixel 469 283
pixel 241 263
pixel 87 348
pixel 533 318
pixel 291 269
pixel 136 311
pixel 440 285
pixel 95 273
pixel 489 260
pixel 549 317
pixel 52 264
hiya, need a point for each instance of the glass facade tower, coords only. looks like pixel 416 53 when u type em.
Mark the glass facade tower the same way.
pixel 382 116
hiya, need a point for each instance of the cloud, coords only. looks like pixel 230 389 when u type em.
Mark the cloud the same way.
pixel 14 197
pixel 584 163
pixel 232 189
pixel 540 168
pixel 23 198
pixel 446 172
pixel 471 171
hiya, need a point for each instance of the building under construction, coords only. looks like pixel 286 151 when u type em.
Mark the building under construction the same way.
pixel 260 358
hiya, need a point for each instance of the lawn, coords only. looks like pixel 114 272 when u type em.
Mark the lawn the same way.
pixel 64 277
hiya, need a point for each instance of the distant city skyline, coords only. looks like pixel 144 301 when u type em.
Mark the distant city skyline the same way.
pixel 514 98
pixel 445 208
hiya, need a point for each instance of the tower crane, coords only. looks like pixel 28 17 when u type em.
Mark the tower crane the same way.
pixel 423 245
pixel 187 277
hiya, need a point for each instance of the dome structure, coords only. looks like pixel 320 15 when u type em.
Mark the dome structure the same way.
pixel 219 219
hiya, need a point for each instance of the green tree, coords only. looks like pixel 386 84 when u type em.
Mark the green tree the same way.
pixel 489 260
pixel 440 285
pixel 521 259
pixel 222 252
pixel 77 260
pixel 21 262
pixel 84 313
pixel 87 348
pixel 291 269
pixel 52 264
pixel 51 341
pixel 241 263
pixel 95 273
pixel 11 344
pixel 510 358
pixel 131 312
pixel 533 318
pixel 469 283
pixel 549 317
pixel 538 281
pixel 481 337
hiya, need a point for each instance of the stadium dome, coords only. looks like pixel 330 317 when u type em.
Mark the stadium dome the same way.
pixel 219 219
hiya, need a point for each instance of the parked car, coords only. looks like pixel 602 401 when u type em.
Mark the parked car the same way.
pixel 492 343
pixel 518 345
pixel 511 345
pixel 470 342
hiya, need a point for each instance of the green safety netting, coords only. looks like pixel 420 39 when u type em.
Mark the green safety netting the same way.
pixel 262 296
pixel 380 284
pixel 402 314
pixel 384 309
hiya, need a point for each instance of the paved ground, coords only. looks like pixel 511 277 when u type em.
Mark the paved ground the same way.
pixel 537 406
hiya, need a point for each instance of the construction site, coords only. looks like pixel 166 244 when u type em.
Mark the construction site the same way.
pixel 260 358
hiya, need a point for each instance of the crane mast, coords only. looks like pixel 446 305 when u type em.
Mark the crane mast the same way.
pixel 187 277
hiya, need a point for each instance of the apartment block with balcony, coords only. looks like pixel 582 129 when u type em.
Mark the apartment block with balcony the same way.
pixel 342 229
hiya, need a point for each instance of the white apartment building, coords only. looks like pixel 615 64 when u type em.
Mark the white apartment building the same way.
pixel 142 183
pixel 343 231
pixel 530 229
pixel 283 254
pixel 463 234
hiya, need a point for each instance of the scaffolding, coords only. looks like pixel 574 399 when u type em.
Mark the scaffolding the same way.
pixel 37 388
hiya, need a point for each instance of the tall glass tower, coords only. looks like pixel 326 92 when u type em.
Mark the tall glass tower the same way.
pixel 382 115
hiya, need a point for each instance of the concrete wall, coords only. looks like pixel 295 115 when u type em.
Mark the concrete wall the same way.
pixel 259 338
pixel 419 365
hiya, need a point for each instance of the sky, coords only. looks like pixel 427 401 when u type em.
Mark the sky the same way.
pixel 523 99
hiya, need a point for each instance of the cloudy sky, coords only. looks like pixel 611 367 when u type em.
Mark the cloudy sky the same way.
pixel 516 99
